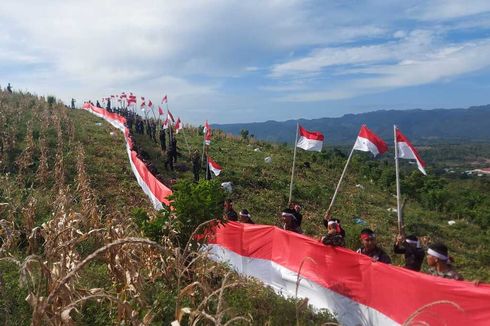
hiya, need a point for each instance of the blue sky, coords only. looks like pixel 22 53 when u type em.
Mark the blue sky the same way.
pixel 243 61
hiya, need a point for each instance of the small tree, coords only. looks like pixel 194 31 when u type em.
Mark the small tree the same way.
pixel 196 203
pixel 244 134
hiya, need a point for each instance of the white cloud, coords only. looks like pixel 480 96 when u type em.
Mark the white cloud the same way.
pixel 449 9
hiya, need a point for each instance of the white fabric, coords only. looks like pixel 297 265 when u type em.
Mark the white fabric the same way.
pixel 216 171
pixel 310 144
pixel 365 145
pixel 283 281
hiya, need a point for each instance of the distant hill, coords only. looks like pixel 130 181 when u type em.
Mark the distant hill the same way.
pixel 422 126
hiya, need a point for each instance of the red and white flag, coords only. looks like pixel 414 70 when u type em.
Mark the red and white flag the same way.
pixel 165 124
pixel 178 126
pixel 206 127
pixel 160 111
pixel 171 116
pixel 123 95
pixel 143 105
pixel 407 151
pixel 207 137
pixel 164 99
pixel 214 167
pixel 142 98
pixel 368 141
pixel 310 140
pixel 150 104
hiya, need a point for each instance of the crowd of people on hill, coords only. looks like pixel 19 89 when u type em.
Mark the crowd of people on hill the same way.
pixel 438 258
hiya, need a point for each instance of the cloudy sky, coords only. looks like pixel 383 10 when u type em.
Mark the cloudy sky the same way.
pixel 255 60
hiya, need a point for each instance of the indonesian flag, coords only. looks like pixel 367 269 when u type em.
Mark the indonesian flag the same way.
pixel 123 95
pixel 178 126
pixel 310 140
pixel 112 96
pixel 171 116
pixel 143 105
pixel 165 124
pixel 214 167
pixel 207 137
pixel 206 127
pixel 164 99
pixel 150 104
pixel 160 111
pixel 131 100
pixel 407 151
pixel 142 98
pixel 367 141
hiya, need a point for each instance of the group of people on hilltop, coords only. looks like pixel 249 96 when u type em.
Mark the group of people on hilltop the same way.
pixel 437 254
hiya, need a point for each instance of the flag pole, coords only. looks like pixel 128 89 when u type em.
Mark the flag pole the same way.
pixel 327 214
pixel 203 147
pixel 397 171
pixel 294 162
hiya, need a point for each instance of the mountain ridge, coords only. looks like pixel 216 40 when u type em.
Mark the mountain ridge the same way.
pixel 421 126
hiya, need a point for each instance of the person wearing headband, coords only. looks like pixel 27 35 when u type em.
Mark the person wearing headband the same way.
pixel 411 248
pixel 245 217
pixel 289 221
pixel 298 217
pixel 370 247
pixel 334 235
pixel 438 261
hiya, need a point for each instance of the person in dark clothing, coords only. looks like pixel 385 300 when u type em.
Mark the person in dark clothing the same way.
pixel 9 88
pixel 153 126
pixel 108 106
pixel 97 104
pixel 170 157
pixel 245 217
pixel 173 146
pixel 410 247
pixel 289 220
pixel 439 262
pixel 72 103
pixel 163 144
pixel 334 235
pixel 196 164
pixel 371 249
pixel 229 213
pixel 298 217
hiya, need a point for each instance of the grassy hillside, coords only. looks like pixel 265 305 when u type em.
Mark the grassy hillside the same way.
pixel 368 192
pixel 70 250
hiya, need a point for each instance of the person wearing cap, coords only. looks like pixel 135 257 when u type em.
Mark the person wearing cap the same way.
pixel 245 217
pixel 229 213
pixel 370 247
pixel 411 248
pixel 289 220
pixel 334 235
pixel 438 261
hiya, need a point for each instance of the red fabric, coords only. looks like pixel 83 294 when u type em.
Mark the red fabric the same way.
pixel 394 291
pixel 400 138
pixel 214 164
pixel 314 135
pixel 164 99
pixel 160 111
pixel 170 115
pixel 373 138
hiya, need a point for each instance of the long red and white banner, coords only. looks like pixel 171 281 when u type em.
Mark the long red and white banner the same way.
pixel 151 186
pixel 357 290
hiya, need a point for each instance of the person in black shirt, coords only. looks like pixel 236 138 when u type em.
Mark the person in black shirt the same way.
pixel 9 88
pixel 410 247
pixel 289 220
pixel 370 247
pixel 229 213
